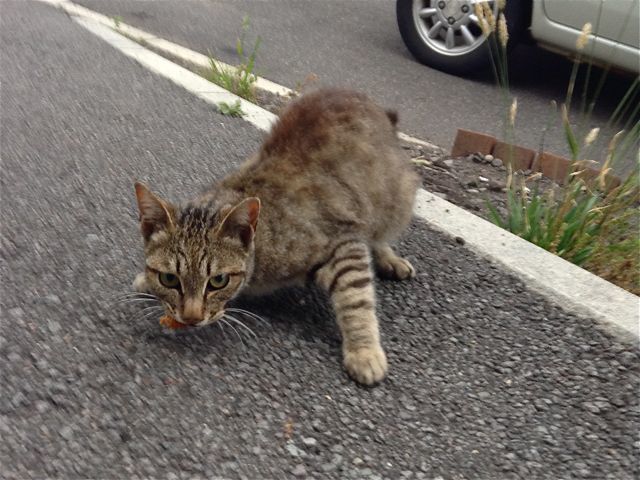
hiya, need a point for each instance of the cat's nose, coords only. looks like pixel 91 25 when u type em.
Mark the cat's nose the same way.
pixel 192 312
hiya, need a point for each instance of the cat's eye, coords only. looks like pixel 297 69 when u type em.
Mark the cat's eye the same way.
pixel 169 280
pixel 218 281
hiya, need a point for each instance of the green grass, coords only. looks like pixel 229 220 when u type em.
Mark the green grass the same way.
pixel 584 220
pixel 579 222
pixel 117 20
pixel 233 110
pixel 241 79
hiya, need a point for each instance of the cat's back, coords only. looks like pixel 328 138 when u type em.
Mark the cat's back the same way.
pixel 336 152
pixel 327 120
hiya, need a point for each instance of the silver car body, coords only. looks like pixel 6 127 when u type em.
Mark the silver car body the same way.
pixel 557 24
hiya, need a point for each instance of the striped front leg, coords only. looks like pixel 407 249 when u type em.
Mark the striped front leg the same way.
pixel 348 278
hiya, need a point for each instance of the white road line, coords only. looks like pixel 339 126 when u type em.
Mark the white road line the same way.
pixel 203 61
pixel 161 44
pixel 567 285
pixel 188 80
pixel 195 58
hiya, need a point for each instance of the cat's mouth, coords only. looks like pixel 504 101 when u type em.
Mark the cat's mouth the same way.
pixel 175 322
pixel 210 320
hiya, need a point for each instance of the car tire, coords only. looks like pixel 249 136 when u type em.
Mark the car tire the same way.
pixel 461 56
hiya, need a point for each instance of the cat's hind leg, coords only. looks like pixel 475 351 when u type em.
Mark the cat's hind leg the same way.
pixel 348 278
pixel 389 265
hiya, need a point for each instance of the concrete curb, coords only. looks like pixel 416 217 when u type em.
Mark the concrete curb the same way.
pixel 567 285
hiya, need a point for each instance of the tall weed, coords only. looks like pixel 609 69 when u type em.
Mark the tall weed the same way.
pixel 588 219
pixel 240 79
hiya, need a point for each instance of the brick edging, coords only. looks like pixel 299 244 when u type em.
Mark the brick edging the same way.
pixel 552 166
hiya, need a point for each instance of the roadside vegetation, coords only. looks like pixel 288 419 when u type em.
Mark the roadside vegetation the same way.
pixel 591 219
pixel 240 79
pixel 233 110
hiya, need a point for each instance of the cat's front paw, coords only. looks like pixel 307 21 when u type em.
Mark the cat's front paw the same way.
pixel 140 283
pixel 366 365
pixel 395 268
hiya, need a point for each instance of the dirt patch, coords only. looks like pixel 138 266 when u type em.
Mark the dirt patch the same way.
pixel 470 182
pixel 271 101
pixel 475 181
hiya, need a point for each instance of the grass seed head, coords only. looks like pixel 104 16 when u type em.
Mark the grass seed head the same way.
pixel 584 36
pixel 503 32
pixel 488 15
pixel 591 136
pixel 484 25
pixel 534 177
pixel 513 110
pixel 610 154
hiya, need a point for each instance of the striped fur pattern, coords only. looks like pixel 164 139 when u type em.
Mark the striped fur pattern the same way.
pixel 322 199
pixel 348 278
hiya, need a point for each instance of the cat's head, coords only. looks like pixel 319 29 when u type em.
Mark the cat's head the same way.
pixel 196 259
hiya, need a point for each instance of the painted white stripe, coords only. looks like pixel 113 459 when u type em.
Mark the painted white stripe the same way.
pixel 195 58
pixel 569 286
pixel 188 80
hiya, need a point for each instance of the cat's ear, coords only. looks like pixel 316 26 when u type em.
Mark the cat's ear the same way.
pixel 155 213
pixel 241 221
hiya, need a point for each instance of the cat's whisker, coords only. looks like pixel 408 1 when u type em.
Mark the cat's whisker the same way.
pixel 137 296
pixel 148 315
pixel 126 294
pixel 224 334
pixel 152 307
pixel 147 312
pixel 144 315
pixel 131 295
pixel 132 298
pixel 238 322
pixel 232 328
pixel 249 314
pixel 136 300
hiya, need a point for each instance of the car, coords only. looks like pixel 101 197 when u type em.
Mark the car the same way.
pixel 446 34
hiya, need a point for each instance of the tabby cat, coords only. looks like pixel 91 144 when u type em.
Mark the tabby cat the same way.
pixel 326 193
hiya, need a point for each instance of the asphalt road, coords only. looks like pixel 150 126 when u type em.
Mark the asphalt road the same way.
pixel 356 43
pixel 487 379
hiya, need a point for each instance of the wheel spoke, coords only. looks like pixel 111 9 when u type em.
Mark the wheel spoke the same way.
pixel 467 35
pixel 450 40
pixel 435 30
pixel 427 12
